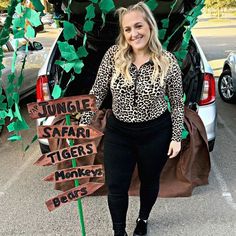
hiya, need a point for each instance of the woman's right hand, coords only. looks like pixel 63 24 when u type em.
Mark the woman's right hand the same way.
pixel 174 149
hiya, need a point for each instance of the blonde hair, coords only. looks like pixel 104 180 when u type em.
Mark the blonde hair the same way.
pixel 124 57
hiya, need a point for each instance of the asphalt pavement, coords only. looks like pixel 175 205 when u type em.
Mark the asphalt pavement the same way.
pixel 210 211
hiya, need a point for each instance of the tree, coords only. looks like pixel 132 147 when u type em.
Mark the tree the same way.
pixel 219 4
pixel 4 4
pixel 230 3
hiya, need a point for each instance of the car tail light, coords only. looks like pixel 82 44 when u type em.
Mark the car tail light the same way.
pixel 208 90
pixel 42 89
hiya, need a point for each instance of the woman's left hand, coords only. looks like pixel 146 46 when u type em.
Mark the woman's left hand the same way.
pixel 174 149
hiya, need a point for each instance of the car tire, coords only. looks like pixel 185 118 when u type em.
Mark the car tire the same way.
pixel 211 145
pixel 44 148
pixel 225 87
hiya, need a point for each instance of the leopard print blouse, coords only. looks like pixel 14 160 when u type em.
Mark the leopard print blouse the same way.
pixel 143 100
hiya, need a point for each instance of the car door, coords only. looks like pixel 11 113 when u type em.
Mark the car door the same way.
pixel 7 61
pixel 33 62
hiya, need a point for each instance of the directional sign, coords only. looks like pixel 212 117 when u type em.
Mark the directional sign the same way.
pixel 72 195
pixel 65 154
pixel 68 131
pixel 75 173
pixel 62 106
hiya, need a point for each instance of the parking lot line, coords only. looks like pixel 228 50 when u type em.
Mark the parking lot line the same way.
pixel 220 179
pixel 223 185
pixel 221 120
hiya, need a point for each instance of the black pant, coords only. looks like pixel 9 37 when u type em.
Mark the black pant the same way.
pixel 125 144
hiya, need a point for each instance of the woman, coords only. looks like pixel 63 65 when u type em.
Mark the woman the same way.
pixel 141 130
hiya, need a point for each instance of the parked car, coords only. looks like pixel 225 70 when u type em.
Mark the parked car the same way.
pixel 3 17
pixel 35 58
pixel 47 19
pixel 227 79
pixel 198 79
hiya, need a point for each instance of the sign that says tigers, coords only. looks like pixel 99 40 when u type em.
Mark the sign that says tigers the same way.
pixel 65 154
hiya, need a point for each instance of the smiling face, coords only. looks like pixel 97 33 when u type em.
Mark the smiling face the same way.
pixel 136 31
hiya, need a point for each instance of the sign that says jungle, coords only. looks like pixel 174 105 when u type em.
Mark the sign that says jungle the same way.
pixel 62 106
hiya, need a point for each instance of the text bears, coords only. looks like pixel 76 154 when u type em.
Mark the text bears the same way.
pixel 72 195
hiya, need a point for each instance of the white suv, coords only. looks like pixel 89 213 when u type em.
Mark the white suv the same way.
pixel 198 79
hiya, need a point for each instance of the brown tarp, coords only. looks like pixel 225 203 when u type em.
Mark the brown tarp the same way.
pixel 180 174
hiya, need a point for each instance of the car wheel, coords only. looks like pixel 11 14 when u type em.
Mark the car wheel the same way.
pixel 211 145
pixel 225 87
pixel 44 148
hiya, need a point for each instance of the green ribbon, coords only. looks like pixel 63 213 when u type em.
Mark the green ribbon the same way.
pixel 184 133
pixel 79 203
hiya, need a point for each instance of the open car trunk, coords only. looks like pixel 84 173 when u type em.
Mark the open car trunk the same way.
pixel 192 75
pixel 101 38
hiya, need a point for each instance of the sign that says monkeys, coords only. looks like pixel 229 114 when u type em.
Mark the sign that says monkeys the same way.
pixel 75 173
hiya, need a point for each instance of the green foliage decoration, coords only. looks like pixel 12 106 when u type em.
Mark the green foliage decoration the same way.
pixel 4 36
pixel 189 21
pixel 72 58
pixel 165 22
pixel 152 4
pixel 38 5
pixel 9 99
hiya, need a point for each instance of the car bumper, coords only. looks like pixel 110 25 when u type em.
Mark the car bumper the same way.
pixel 208 114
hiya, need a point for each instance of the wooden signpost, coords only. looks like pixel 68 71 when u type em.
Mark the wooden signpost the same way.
pixel 75 173
pixel 65 106
pixel 72 195
pixel 65 154
pixel 62 106
pixel 68 131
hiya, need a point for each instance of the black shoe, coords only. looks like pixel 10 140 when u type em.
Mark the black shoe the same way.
pixel 125 234
pixel 141 228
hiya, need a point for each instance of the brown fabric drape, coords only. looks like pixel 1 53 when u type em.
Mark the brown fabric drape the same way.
pixel 179 176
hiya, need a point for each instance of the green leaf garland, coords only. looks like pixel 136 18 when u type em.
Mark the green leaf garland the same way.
pixel 69 30
pixel 71 57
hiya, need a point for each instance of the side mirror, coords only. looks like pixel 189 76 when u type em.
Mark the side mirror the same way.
pixel 37 46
